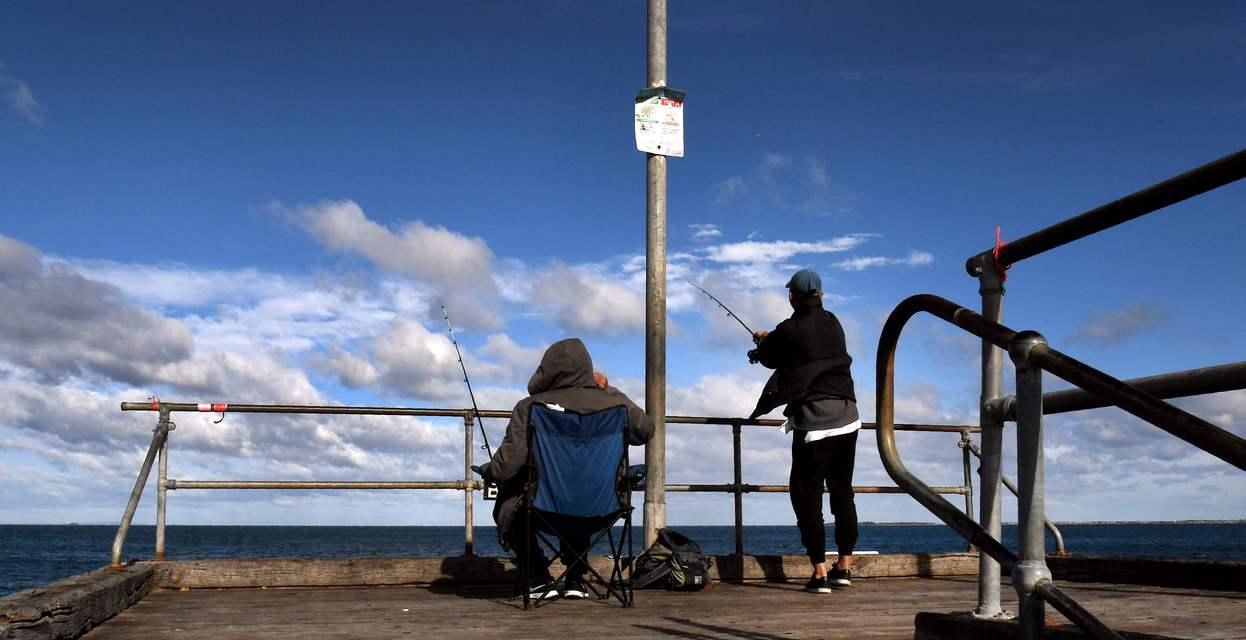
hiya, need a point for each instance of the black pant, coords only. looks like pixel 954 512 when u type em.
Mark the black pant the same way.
pixel 829 462
pixel 572 544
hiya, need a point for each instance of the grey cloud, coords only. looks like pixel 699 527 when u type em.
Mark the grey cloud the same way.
pixel 730 190
pixel 59 324
pixel 457 266
pixel 588 304
pixel 19 98
pixel 778 182
pixel 1118 325
pixel 410 360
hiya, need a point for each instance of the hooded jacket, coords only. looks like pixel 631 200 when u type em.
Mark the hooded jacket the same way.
pixel 809 356
pixel 565 378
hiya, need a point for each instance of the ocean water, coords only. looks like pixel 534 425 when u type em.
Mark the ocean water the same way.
pixel 35 555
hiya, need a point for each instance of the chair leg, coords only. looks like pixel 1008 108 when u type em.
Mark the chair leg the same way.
pixel 524 570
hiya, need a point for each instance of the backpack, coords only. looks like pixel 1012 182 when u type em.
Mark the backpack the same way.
pixel 673 562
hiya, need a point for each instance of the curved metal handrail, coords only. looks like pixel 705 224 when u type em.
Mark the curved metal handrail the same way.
pixel 1196 431
pixel 1008 484
pixel 962 523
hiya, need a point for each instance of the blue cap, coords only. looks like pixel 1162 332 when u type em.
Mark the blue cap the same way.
pixel 805 283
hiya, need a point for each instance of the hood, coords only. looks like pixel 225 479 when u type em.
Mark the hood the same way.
pixel 565 365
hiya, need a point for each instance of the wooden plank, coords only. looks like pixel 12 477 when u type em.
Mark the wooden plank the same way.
pixel 882 608
pixel 70 607
pixel 962 626
pixel 200 574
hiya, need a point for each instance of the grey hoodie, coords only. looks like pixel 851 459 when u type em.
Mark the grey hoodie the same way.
pixel 565 378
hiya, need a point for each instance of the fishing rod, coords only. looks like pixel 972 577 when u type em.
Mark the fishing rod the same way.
pixel 470 394
pixel 724 307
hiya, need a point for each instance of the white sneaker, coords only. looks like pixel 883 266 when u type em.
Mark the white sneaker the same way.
pixel 544 591
pixel 574 590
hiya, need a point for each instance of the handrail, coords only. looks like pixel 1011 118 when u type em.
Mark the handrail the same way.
pixel 1202 434
pixel 1030 348
pixel 1177 384
pixel 159 450
pixel 1051 526
pixel 962 523
pixel 1212 175
pixel 311 409
pixel 1218 442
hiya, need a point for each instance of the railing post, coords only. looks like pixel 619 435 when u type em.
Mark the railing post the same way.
pixel 738 476
pixel 991 288
pixel 1032 568
pixel 469 495
pixel 965 442
pixel 159 434
pixel 162 477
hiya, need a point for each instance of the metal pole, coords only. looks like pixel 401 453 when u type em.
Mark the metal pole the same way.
pixel 469 496
pixel 157 440
pixel 162 491
pixel 739 497
pixel 991 288
pixel 1032 568
pixel 655 295
pixel 968 471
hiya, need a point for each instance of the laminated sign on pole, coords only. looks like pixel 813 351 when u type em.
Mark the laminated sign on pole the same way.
pixel 660 121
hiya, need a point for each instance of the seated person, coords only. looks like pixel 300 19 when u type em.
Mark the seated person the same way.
pixel 565 377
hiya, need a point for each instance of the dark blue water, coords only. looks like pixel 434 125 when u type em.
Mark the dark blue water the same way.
pixel 34 555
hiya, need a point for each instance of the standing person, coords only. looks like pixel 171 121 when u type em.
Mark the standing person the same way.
pixel 812 377
pixel 565 378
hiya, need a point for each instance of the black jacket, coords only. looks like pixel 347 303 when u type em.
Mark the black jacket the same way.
pixel 809 356
pixel 565 378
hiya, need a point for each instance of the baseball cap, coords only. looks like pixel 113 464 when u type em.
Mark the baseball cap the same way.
pixel 805 282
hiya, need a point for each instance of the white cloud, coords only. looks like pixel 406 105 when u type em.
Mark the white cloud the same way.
pixel 914 259
pixel 759 309
pixel 458 267
pixel 703 232
pixel 19 98
pixel 407 359
pixel 183 286
pixel 780 250
pixel 521 361
pixel 581 302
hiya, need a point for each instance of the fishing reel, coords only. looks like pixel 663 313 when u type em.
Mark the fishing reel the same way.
pixel 490 490
pixel 753 357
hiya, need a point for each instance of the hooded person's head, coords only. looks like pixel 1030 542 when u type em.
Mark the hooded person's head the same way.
pixel 565 365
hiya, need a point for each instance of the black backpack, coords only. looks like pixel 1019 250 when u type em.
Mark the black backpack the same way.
pixel 674 562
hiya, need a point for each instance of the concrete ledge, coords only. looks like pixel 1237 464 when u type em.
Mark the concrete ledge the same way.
pixel 71 607
pixel 963 626
pixel 1218 575
pixel 213 574
pixel 892 565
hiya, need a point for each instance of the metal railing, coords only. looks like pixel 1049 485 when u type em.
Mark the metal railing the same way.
pixel 1031 355
pixel 159 450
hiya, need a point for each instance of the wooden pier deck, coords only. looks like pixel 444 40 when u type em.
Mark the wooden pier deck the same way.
pixel 909 596
pixel 873 608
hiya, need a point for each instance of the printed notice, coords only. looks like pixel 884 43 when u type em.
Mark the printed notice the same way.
pixel 660 122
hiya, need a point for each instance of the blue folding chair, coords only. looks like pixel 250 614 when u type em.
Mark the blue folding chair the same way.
pixel 574 494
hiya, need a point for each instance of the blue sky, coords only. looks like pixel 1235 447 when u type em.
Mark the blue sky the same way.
pixel 269 203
